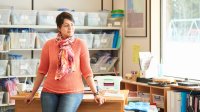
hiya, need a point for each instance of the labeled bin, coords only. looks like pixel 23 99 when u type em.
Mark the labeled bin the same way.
pixel 47 17
pixel 23 17
pixel 103 40
pixel 42 38
pixel 3 67
pixel 116 22
pixel 97 18
pixel 1 97
pixel 2 37
pixel 158 100
pixel 5 16
pixel 24 67
pixel 104 64
pixel 145 97
pixel 79 18
pixel 88 38
pixel 22 40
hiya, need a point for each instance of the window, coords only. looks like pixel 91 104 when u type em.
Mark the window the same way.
pixel 180 53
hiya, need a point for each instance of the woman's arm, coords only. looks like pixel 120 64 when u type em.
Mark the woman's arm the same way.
pixel 37 83
pixel 91 84
pixel 98 98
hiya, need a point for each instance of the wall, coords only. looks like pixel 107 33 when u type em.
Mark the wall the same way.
pixel 78 5
pixel 129 42
pixel 85 5
pixel 18 4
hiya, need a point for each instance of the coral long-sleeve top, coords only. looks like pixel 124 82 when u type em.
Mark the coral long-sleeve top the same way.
pixel 70 83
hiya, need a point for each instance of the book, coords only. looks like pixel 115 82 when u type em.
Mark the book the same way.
pixel 115 39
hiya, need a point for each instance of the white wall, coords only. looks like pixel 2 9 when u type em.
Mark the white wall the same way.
pixel 129 42
pixel 78 5
pixel 18 4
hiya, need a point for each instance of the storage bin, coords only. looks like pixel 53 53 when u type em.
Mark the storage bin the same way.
pixel 5 16
pixel 88 38
pixel 158 100
pixel 3 67
pixel 24 67
pixel 108 66
pixel 132 94
pixel 47 17
pixel 1 97
pixel 103 40
pixel 42 38
pixel 145 97
pixel 116 22
pixel 79 18
pixel 104 64
pixel 22 40
pixel 99 66
pixel 110 84
pixel 97 18
pixel 23 17
pixel 2 37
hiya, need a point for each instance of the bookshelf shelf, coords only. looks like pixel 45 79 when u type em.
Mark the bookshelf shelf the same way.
pixel 189 88
pixel 147 89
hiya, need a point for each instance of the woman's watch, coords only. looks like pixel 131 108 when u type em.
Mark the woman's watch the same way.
pixel 95 94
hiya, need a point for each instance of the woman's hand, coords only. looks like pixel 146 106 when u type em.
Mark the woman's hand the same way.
pixel 29 99
pixel 99 99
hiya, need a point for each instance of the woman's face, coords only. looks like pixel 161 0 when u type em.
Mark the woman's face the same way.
pixel 67 28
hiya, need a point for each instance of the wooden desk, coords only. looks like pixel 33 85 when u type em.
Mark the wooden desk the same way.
pixel 112 104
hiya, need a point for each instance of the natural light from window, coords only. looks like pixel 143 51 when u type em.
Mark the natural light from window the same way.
pixel 181 38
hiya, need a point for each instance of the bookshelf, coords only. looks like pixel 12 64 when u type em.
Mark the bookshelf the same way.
pixel 147 89
pixel 183 98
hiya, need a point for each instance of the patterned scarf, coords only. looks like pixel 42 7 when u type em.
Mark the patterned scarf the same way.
pixel 66 63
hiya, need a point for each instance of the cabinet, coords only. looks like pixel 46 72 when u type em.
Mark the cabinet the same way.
pixel 147 91
pixel 35 52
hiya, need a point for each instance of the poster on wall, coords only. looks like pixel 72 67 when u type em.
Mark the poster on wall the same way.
pixel 136 18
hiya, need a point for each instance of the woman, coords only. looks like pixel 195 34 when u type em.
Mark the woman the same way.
pixel 63 60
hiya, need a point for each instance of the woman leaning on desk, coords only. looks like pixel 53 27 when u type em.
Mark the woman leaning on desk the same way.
pixel 63 59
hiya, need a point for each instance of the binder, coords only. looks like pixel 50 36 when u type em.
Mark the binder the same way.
pixel 115 39
pixel 184 101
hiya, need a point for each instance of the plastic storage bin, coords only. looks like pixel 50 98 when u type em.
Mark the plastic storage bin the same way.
pixel 22 40
pixel 103 40
pixel 4 16
pixel 109 84
pixel 24 67
pixel 23 17
pixel 116 22
pixel 104 64
pixel 2 37
pixel 3 66
pixel 1 97
pixel 79 18
pixel 108 66
pixel 145 97
pixel 159 100
pixel 42 38
pixel 97 18
pixel 88 38
pixel 47 17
